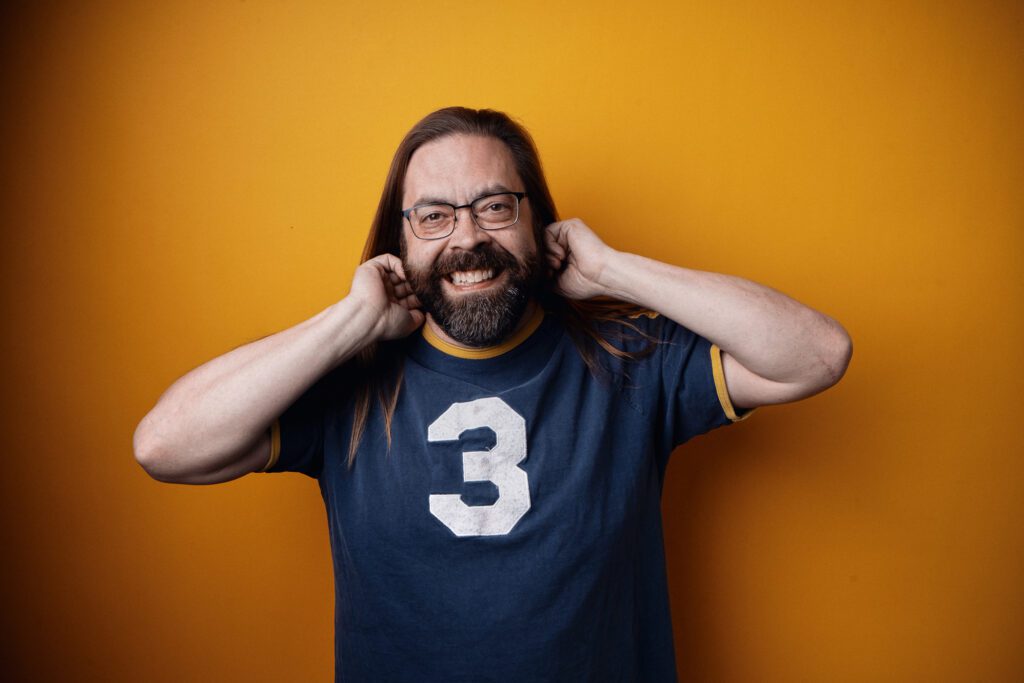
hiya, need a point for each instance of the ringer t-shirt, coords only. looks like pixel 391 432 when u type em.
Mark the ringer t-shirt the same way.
pixel 512 532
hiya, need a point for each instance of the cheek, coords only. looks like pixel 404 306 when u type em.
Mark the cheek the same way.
pixel 526 246
pixel 407 245
pixel 417 254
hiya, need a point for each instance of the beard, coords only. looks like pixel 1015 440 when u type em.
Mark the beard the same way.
pixel 476 319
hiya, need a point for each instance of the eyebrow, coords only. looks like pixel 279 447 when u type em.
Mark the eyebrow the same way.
pixel 495 188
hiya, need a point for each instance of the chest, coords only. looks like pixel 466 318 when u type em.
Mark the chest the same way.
pixel 561 456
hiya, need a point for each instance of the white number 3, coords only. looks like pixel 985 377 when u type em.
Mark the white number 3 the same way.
pixel 498 465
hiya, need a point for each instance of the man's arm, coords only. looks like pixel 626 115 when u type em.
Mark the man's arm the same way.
pixel 212 424
pixel 774 349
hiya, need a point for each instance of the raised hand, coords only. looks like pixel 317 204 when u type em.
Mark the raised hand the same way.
pixel 380 286
pixel 578 258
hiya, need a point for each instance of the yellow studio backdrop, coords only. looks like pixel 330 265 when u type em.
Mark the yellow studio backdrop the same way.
pixel 179 178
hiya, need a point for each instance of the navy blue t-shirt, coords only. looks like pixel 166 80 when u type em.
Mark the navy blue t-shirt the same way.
pixel 513 531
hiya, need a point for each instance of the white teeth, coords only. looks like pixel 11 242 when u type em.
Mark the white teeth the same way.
pixel 470 277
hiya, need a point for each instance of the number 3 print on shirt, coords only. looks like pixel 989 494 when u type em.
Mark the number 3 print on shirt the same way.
pixel 498 465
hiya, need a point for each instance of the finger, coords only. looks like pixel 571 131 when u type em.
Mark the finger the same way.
pixel 552 231
pixel 395 264
pixel 390 289
pixel 411 303
pixel 396 278
pixel 405 293
pixel 554 248
pixel 558 240
pixel 389 263
pixel 418 318
pixel 401 288
pixel 379 261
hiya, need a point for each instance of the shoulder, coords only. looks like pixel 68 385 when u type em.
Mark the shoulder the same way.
pixel 647 331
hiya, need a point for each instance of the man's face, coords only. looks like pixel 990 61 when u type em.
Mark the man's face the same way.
pixel 476 284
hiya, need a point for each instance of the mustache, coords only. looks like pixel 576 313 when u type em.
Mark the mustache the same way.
pixel 481 258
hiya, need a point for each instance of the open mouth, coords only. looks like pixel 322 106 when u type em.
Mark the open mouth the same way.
pixel 469 278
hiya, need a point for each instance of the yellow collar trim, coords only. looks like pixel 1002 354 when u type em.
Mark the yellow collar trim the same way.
pixel 488 352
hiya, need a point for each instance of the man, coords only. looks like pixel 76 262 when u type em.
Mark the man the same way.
pixel 489 417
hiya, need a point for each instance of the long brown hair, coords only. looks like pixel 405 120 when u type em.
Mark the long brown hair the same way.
pixel 378 368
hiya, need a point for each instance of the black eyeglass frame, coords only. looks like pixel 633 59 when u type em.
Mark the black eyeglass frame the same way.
pixel 407 213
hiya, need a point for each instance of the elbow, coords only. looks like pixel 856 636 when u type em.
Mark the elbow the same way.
pixel 828 361
pixel 151 454
pixel 837 355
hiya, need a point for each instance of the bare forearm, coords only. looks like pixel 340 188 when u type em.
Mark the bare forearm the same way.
pixel 213 414
pixel 766 331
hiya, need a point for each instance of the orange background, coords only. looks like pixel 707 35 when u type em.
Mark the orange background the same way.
pixel 180 178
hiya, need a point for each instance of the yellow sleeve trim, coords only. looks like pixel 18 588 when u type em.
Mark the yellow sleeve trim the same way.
pixel 723 392
pixel 275 445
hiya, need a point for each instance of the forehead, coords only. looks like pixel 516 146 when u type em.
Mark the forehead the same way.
pixel 459 168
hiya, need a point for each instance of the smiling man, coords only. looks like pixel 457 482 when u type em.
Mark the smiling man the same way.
pixel 475 284
pixel 489 414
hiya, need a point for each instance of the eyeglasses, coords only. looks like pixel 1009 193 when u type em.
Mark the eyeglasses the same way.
pixel 490 212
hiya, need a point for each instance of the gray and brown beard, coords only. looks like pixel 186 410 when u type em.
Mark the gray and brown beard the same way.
pixel 476 318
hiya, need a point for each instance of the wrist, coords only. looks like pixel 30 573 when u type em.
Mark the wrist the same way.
pixel 620 277
pixel 351 324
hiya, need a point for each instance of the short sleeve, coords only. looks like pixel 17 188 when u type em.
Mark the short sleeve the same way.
pixel 694 394
pixel 297 436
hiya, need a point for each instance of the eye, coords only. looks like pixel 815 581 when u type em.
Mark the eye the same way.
pixel 433 216
pixel 497 207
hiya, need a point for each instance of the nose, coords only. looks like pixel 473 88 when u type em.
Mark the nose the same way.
pixel 467 234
